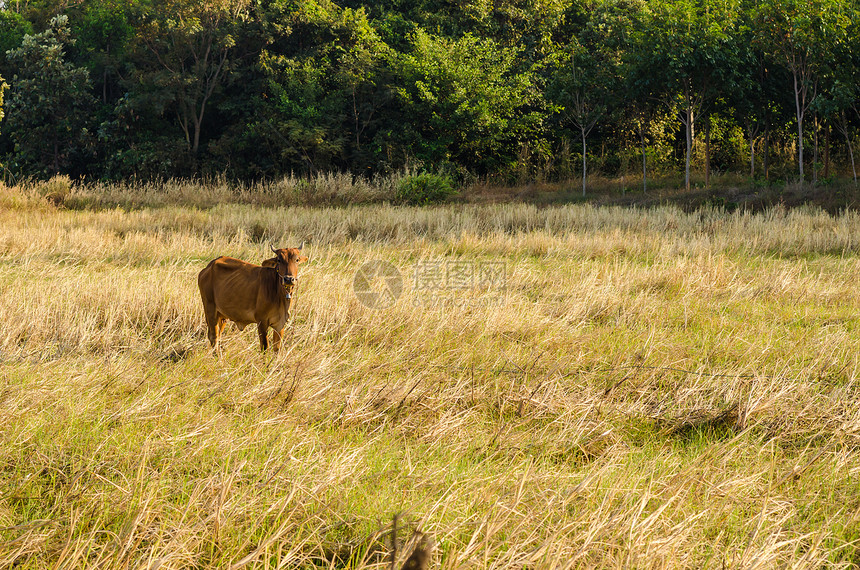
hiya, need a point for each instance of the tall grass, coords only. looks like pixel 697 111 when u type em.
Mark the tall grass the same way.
pixel 330 189
pixel 343 189
pixel 651 388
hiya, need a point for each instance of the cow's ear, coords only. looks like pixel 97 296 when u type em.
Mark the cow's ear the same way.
pixel 270 262
pixel 302 259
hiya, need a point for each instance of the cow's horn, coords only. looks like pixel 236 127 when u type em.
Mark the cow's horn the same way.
pixel 273 248
pixel 302 245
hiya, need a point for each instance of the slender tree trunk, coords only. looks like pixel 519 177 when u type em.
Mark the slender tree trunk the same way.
pixel 582 130
pixel 850 150
pixel 766 150
pixel 752 150
pixel 799 109
pixel 853 167
pixel 198 123
pixel 182 115
pixel 105 79
pixel 644 161
pixel 196 144
pixel 689 133
pixel 826 150
pixel 815 151
pixel 355 114
pixel 708 154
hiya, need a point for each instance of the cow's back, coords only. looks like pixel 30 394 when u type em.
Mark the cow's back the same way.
pixel 232 285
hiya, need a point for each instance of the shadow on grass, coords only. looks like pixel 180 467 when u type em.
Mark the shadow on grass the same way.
pixel 721 424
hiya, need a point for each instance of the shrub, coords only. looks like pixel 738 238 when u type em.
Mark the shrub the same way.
pixel 18 198
pixel 423 189
pixel 56 190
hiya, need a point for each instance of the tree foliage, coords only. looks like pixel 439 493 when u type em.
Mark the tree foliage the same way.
pixel 803 36
pixel 49 104
pixel 510 89
pixel 466 101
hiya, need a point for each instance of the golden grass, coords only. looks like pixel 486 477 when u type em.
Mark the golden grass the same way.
pixel 655 389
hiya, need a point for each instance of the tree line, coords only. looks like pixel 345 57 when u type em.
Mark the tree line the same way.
pixel 509 89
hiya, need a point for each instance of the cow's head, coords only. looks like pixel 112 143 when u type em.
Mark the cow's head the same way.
pixel 286 263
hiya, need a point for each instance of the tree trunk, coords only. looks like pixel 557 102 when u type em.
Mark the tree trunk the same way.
pixel 689 133
pixel 582 130
pixel 850 150
pixel 182 114
pixel 853 168
pixel 196 144
pixel 198 123
pixel 708 153
pixel 766 151
pixel 644 161
pixel 826 150
pixel 815 151
pixel 105 79
pixel 752 150
pixel 355 114
pixel 799 109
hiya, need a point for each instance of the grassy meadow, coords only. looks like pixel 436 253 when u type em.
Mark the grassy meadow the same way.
pixel 650 389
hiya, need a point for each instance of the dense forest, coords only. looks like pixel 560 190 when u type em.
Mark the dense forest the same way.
pixel 512 90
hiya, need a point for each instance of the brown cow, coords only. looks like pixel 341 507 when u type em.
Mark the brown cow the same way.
pixel 246 293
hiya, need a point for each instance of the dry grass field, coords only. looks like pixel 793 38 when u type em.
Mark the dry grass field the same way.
pixel 646 389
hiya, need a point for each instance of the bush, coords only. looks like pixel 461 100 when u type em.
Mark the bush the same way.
pixel 56 190
pixel 423 189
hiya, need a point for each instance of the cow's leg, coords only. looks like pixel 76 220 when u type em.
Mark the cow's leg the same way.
pixel 263 331
pixel 277 335
pixel 211 322
pixel 220 324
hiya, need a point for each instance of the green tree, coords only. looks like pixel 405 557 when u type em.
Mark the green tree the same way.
pixel 49 104
pixel 843 99
pixel 755 98
pixel 802 35
pixel 582 88
pixel 466 101
pixel 104 32
pixel 13 28
pixel 325 87
pixel 686 46
pixel 531 25
pixel 641 92
pixel 586 84
pixel 839 93
pixel 191 42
